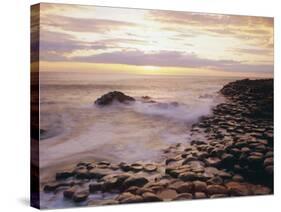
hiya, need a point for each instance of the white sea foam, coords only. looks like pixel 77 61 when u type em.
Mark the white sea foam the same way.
pixel 175 111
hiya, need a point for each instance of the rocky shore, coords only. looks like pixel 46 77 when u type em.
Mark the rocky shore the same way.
pixel 231 154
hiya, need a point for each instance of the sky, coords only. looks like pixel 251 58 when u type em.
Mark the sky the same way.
pixel 120 40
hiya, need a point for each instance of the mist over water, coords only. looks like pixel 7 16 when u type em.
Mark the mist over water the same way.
pixel 78 130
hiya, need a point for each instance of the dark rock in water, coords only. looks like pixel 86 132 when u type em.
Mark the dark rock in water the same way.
pixel 146 97
pixel 80 196
pixel 118 96
pixel 50 187
pixel 42 132
pixel 135 181
pixel 63 175
pixel 68 194
pixel 94 187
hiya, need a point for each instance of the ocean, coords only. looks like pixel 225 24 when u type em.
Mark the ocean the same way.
pixel 77 130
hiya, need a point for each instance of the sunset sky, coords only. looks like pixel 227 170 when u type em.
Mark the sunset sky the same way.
pixel 105 40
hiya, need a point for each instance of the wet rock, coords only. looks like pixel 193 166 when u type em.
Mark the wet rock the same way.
pixel 167 194
pixel 200 195
pixel 228 160
pixel 261 190
pixel 133 199
pixel 80 196
pixel 50 187
pixel 104 163
pixel 268 161
pixel 82 173
pixel 134 190
pixel 127 197
pixel 103 202
pixel 124 166
pixel 150 167
pixel 124 195
pixel 95 173
pixel 182 187
pixel 136 167
pixel 269 170
pixel 213 161
pixel 173 172
pixel 268 154
pixel 216 189
pixel 260 148
pixel 202 155
pixel 200 186
pixel 183 196
pixel 189 176
pixel 108 98
pixel 63 175
pixel 245 149
pixel 237 189
pixel 189 159
pixel 214 196
pixel 150 197
pixel 224 174
pixel 215 180
pixel 68 193
pixel 135 181
pixel 114 181
pixel 94 187
pixel 237 178
pixel 255 160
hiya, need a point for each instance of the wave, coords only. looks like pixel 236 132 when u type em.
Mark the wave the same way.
pixel 173 110
pixel 190 113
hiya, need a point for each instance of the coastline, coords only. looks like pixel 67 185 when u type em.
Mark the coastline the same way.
pixel 231 154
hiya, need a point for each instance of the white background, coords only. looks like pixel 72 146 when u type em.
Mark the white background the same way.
pixel 14 97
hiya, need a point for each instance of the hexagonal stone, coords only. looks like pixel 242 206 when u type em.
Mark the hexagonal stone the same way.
pixel 216 189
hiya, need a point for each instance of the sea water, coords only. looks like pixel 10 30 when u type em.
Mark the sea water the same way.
pixel 78 130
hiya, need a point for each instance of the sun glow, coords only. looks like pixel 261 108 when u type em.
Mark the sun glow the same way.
pixel 151 68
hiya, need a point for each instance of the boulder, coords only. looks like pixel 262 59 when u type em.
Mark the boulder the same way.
pixel 110 97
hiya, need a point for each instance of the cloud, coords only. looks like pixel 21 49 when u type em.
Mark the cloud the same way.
pixel 205 19
pixel 252 51
pixel 83 24
pixel 171 59
pixel 251 29
pixel 53 45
